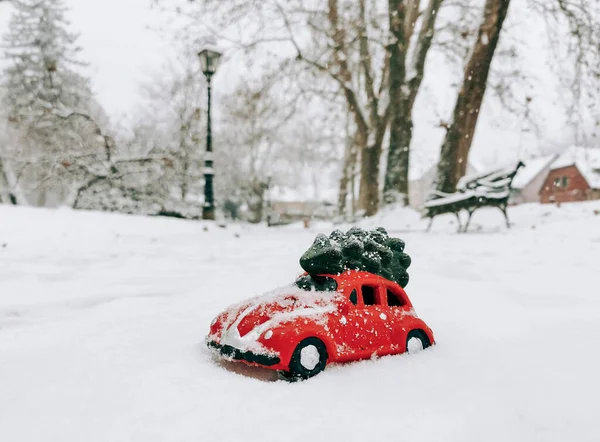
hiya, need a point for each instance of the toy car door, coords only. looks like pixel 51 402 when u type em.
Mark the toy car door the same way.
pixel 400 313
pixel 368 329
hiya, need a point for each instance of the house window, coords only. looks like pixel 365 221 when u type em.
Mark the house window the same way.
pixel 561 181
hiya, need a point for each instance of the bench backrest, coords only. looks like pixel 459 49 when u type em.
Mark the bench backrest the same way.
pixel 496 181
pixel 496 185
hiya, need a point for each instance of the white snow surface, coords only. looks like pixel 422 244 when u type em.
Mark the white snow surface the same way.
pixel 103 319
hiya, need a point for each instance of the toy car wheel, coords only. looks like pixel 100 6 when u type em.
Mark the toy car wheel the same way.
pixel 416 341
pixel 308 360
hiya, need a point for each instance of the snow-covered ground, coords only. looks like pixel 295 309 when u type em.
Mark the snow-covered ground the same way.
pixel 102 319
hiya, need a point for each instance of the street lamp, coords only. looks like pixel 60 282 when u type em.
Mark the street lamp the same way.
pixel 209 61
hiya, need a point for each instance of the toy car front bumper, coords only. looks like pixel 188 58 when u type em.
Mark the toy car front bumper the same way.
pixel 230 352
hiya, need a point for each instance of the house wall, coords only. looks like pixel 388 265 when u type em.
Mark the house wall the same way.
pixel 531 192
pixel 419 189
pixel 415 193
pixel 515 197
pixel 576 190
pixel 593 194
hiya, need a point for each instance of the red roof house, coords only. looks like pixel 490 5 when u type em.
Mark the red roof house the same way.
pixel 574 176
pixel 529 179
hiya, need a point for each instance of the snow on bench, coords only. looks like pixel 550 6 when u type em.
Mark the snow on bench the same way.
pixel 484 190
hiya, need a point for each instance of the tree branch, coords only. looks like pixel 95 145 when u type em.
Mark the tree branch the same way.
pixel 365 62
pixel 422 48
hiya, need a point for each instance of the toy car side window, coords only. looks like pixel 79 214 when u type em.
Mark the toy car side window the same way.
pixel 354 297
pixel 369 295
pixel 394 299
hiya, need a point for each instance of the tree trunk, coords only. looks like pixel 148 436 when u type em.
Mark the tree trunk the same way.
pixel 396 175
pixel 375 126
pixel 347 179
pixel 395 183
pixel 353 199
pixel 6 195
pixel 457 143
pixel 184 178
pixel 403 91
pixel 256 202
pixel 370 139
pixel 368 194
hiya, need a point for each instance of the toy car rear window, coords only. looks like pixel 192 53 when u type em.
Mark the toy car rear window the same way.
pixel 316 283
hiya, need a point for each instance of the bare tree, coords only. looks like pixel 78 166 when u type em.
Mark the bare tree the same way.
pixel 573 29
pixel 372 126
pixel 7 196
pixel 347 181
pixel 349 58
pixel 7 190
pixel 404 85
pixel 459 136
pixel 249 136
pixel 264 142
pixel 174 104
pixel 341 39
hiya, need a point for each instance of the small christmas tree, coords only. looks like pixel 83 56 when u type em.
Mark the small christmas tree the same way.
pixel 373 251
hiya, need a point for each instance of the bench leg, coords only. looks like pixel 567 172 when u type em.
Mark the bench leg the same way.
pixel 468 221
pixel 459 223
pixel 429 225
pixel 505 216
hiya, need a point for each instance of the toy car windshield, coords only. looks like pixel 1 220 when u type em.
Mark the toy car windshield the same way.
pixel 316 283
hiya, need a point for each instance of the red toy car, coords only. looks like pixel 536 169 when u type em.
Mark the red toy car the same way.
pixel 321 319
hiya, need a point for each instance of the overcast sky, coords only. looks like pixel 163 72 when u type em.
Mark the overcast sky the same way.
pixel 123 48
pixel 120 46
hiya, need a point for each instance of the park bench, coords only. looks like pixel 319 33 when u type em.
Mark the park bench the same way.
pixel 491 189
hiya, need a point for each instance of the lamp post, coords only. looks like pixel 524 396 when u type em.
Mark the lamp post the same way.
pixel 268 190
pixel 209 61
